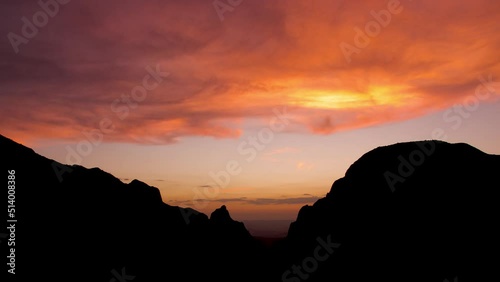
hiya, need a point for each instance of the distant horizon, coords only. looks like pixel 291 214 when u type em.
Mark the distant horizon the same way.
pixel 275 206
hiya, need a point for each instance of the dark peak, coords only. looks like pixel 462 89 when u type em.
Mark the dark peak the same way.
pixel 423 145
pixel 409 198
pixel 139 185
pixel 141 188
pixel 383 157
pixel 136 182
pixel 223 226
pixel 221 215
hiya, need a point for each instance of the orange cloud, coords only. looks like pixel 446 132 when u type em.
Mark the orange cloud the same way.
pixel 264 55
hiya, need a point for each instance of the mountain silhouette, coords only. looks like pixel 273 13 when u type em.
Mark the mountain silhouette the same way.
pixel 417 211
pixel 91 224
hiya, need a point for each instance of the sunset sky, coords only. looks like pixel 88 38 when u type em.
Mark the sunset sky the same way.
pixel 258 105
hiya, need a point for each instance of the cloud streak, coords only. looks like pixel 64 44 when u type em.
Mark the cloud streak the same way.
pixel 306 199
pixel 264 55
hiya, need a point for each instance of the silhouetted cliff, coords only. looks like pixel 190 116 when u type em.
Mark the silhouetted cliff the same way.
pixel 423 211
pixel 89 223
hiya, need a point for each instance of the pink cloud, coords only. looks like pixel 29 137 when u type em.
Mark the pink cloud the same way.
pixel 262 56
